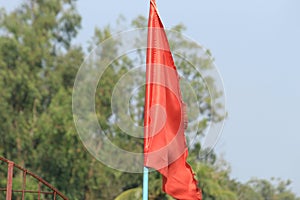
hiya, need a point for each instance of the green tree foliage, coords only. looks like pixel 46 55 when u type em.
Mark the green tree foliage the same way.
pixel 272 190
pixel 38 64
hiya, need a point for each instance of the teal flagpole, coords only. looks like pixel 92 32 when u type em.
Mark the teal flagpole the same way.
pixel 145 183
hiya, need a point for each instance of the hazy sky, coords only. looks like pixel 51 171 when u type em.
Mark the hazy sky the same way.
pixel 256 45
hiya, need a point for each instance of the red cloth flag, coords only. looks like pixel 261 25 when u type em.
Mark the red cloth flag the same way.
pixel 164 118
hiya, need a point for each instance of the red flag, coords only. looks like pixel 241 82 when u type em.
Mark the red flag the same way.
pixel 164 119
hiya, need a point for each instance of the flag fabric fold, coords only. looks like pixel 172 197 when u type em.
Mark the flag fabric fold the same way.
pixel 165 118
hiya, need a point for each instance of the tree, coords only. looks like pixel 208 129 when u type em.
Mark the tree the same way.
pixel 276 189
pixel 38 65
pixel 37 68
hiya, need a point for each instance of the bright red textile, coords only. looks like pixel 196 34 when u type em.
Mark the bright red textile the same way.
pixel 164 118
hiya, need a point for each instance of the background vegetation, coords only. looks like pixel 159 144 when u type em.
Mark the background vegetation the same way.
pixel 38 64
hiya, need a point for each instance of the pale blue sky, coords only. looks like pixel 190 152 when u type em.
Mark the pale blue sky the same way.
pixel 256 45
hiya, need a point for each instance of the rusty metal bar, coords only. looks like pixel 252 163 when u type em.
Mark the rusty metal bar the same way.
pixel 10 172
pixel 27 191
pixel 24 184
pixel 54 195
pixel 39 192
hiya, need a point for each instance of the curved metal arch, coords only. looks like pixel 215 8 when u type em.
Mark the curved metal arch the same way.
pixel 9 191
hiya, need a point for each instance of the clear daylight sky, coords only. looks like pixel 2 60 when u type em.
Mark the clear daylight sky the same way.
pixel 256 45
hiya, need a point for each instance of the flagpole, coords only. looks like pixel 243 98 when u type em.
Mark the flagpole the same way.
pixel 145 183
pixel 146 169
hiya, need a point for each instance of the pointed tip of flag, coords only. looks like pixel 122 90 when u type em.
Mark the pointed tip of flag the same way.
pixel 153 2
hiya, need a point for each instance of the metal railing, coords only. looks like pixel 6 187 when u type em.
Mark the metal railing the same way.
pixel 25 173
